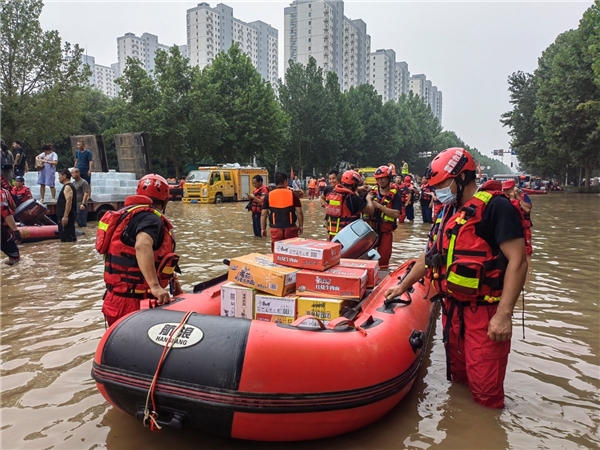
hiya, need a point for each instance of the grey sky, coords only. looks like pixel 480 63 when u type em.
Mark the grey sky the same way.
pixel 467 49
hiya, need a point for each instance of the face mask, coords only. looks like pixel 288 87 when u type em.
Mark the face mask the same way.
pixel 445 195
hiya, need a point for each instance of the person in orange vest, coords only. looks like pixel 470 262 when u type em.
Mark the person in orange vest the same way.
pixel 312 188
pixel 284 210
pixel 392 167
pixel 256 201
pixel 322 185
pixel 475 258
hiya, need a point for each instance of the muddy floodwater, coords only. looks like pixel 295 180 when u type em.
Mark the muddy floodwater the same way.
pixel 51 325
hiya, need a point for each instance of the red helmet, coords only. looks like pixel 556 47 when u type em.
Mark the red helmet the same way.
pixel 350 177
pixel 153 186
pixel 382 172
pixel 508 184
pixel 407 179
pixel 449 164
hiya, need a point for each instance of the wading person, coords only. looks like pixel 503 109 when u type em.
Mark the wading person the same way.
pixel 66 209
pixel 9 233
pixel 257 197
pixel 139 246
pixel 83 195
pixel 475 258
pixel 284 210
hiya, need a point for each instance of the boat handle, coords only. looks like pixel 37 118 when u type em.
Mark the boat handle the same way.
pixel 299 321
pixel 177 420
pixel 348 322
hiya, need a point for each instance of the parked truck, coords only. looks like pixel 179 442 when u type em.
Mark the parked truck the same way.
pixel 223 182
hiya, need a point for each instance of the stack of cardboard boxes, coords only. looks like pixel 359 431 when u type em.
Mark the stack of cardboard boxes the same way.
pixel 302 277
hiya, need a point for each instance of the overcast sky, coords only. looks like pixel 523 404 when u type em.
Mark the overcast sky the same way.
pixel 467 49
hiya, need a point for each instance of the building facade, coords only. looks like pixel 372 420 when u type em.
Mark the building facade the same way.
pixel 102 77
pixel 421 86
pixel 319 29
pixel 143 48
pixel 383 73
pixel 402 79
pixel 211 30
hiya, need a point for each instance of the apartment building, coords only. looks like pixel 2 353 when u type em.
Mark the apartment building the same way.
pixel 211 30
pixel 143 48
pixel 402 79
pixel 357 47
pixel 102 77
pixel 382 73
pixel 421 86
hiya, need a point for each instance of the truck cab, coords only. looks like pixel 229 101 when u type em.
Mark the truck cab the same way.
pixel 215 184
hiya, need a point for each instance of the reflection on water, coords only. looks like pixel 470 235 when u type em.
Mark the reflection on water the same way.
pixel 51 324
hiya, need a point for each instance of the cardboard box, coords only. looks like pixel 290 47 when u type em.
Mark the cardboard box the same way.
pixel 325 309
pixel 279 306
pixel 274 318
pixel 337 282
pixel 371 266
pixel 237 301
pixel 307 253
pixel 260 272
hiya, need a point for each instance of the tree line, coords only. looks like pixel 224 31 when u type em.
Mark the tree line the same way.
pixel 223 113
pixel 555 120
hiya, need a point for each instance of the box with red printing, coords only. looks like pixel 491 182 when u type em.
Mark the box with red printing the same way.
pixel 273 318
pixel 371 266
pixel 337 282
pixel 307 253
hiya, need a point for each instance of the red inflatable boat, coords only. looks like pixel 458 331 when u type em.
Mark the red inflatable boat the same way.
pixel 266 381
pixel 34 233
pixel 529 191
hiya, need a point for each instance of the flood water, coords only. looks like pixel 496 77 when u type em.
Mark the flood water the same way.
pixel 51 324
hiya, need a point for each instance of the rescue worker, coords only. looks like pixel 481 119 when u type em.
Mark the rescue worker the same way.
pixel 411 194
pixel 426 200
pixel 284 209
pixel 139 246
pixel 344 205
pixel 312 188
pixel 404 170
pixel 475 259
pixel 322 186
pixel 20 193
pixel 256 198
pixel 9 233
pixel 392 167
pixel 387 206
pixel 523 202
pixel 333 179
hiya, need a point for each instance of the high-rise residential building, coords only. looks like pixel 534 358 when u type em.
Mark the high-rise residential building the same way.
pixel 102 77
pixel 421 86
pixel 382 73
pixel 183 49
pixel 318 28
pixel 211 30
pixel 143 48
pixel 357 47
pixel 402 79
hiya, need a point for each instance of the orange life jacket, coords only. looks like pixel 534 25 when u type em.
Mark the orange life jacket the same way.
pixel 122 274
pixel 337 211
pixel 282 213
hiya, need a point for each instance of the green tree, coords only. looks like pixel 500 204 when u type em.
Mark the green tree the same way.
pixel 252 123
pixel 40 77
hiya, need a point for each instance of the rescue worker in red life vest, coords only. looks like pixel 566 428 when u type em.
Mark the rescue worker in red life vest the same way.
pixel 20 193
pixel 426 200
pixel 9 233
pixel 475 258
pixel 411 194
pixel 344 205
pixel 387 206
pixel 139 258
pixel 524 203
pixel 284 209
pixel 256 198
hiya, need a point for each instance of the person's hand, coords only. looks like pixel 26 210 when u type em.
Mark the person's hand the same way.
pixel 161 294
pixel 300 229
pixel 64 221
pixel 82 206
pixel 369 196
pixel 500 327
pixel 394 292
pixel 89 173
pixel 18 237
pixel 263 233
pixel 177 287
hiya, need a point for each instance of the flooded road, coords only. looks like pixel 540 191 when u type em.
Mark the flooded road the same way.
pixel 51 324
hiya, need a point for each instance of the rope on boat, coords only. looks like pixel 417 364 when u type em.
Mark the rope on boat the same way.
pixel 151 416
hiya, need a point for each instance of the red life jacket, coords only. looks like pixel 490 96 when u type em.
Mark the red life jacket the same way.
pixel 260 194
pixel 322 184
pixel 426 193
pixel 337 211
pixel 461 264
pixel 7 205
pixel 122 274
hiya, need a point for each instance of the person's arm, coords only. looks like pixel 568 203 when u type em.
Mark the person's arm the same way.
pixel 500 326
pixel 263 222
pixel 16 160
pixel 76 160
pixel 144 255
pixel 387 211
pixel 91 165
pixel 300 216
pixel 525 206
pixel 369 208
pixel 68 205
pixel 85 199
pixel 416 273
pixel 53 161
